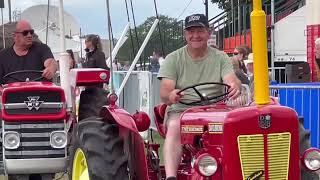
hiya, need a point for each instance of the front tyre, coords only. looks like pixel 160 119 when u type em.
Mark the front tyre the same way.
pixel 97 152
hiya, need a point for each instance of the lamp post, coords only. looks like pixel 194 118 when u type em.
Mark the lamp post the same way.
pixel 206 8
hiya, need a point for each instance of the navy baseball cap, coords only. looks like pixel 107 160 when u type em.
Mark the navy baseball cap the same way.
pixel 196 20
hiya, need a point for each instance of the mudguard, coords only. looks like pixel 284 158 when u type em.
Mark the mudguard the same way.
pixel 134 144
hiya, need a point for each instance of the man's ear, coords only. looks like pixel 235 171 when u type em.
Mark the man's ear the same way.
pixel 210 30
pixel 184 34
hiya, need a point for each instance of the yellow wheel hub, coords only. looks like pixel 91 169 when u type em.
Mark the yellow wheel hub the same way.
pixel 80 166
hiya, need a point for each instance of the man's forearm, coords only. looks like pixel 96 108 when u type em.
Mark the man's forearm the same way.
pixel 51 63
pixel 164 96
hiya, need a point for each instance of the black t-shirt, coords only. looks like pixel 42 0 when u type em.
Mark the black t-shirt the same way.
pixel 95 59
pixel 318 62
pixel 33 60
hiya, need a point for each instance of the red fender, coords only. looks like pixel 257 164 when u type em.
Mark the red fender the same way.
pixel 134 144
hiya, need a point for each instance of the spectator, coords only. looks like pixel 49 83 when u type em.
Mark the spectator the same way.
pixel 126 66
pixel 239 73
pixel 72 61
pixel 95 58
pixel 317 58
pixel 154 63
pixel 116 66
pixel 158 55
pixel 26 54
pixel 249 66
pixel 240 53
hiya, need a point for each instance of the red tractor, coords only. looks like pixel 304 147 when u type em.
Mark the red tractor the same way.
pixel 36 121
pixel 219 142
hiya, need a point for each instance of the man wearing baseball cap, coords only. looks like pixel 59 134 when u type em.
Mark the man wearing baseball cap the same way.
pixel 192 64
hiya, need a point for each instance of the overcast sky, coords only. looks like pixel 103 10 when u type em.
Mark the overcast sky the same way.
pixel 91 14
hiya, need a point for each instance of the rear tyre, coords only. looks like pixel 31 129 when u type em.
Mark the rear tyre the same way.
pixel 97 152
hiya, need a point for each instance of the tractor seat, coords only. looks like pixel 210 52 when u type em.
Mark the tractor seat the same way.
pixel 159 112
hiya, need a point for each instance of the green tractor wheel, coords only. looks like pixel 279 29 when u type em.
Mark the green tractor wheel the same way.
pixel 97 152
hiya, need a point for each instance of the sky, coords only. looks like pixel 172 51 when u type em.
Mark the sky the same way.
pixel 92 14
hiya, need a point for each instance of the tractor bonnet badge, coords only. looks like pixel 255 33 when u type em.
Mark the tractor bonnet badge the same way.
pixel 256 175
pixel 264 121
pixel 33 102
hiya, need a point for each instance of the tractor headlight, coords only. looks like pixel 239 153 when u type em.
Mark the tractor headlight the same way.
pixel 206 165
pixel 58 139
pixel 311 159
pixel 11 140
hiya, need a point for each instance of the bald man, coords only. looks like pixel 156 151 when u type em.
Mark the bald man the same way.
pixel 26 54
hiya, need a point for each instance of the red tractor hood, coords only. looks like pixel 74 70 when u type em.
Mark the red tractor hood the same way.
pixel 32 101
pixel 213 121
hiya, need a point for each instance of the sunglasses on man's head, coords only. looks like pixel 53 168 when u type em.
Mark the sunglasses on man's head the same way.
pixel 26 32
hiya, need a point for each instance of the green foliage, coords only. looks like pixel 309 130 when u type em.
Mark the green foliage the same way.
pixel 226 4
pixel 171 34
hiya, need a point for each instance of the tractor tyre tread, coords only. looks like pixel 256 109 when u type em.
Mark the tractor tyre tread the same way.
pixel 103 149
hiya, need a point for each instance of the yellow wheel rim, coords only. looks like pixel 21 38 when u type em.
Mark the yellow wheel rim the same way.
pixel 80 166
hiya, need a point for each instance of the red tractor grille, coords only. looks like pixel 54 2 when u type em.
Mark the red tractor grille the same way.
pixel 253 159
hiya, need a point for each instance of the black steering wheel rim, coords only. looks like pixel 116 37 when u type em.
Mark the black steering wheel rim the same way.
pixel 23 71
pixel 205 100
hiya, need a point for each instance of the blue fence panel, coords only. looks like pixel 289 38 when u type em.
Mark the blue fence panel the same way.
pixel 305 99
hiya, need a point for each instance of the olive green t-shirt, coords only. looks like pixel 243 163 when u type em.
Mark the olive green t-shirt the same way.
pixel 185 71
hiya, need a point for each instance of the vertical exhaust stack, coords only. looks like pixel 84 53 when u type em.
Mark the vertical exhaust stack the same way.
pixel 259 47
pixel 64 60
pixel 65 78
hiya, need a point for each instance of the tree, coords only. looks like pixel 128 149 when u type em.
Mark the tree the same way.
pixel 226 4
pixel 171 35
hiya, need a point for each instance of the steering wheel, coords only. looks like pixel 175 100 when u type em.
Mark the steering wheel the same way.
pixel 11 75
pixel 205 100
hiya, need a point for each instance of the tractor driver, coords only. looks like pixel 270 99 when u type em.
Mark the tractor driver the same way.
pixel 189 65
pixel 26 54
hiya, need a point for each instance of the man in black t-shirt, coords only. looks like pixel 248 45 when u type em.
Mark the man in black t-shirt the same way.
pixel 25 54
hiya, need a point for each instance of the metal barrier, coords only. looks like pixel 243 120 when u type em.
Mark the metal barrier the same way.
pixel 304 98
pixel 141 92
pixel 279 74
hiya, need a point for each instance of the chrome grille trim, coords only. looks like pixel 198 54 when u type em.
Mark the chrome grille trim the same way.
pixel 56 125
pixel 47 105
pixel 35 144
pixel 36 152
pixel 34 139
pixel 35 134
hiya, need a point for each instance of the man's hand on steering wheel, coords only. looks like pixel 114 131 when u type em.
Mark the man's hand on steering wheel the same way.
pixel 235 90
pixel 49 72
pixel 174 96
